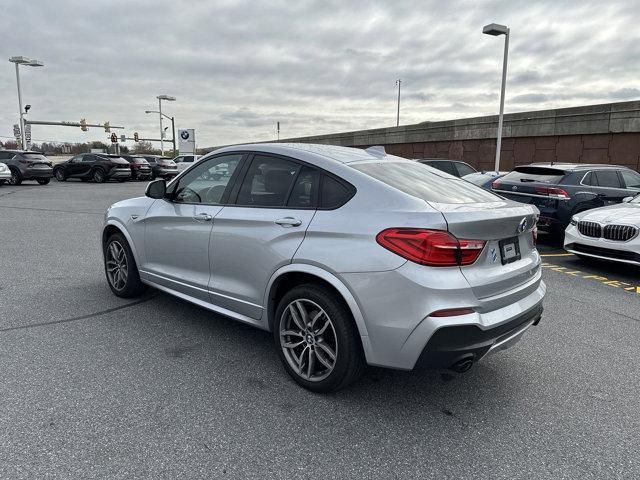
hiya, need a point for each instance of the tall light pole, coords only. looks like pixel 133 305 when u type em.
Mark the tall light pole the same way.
pixel 173 128
pixel 495 30
pixel 29 63
pixel 398 83
pixel 168 98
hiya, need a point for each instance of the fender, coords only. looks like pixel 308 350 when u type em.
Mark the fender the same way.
pixel 336 283
pixel 120 226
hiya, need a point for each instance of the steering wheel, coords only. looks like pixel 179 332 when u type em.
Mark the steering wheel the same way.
pixel 214 194
pixel 189 192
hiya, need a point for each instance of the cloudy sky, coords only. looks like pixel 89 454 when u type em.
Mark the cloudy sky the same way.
pixel 238 67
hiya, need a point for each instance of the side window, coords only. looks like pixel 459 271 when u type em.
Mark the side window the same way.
pixel 205 183
pixel 6 155
pixel 188 159
pixel 631 179
pixel 464 169
pixel 305 189
pixel 444 166
pixel 267 182
pixel 334 194
pixel 608 178
pixel 88 158
pixel 590 179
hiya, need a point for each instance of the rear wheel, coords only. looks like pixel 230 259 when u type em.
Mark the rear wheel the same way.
pixel 16 178
pixel 59 174
pixel 317 340
pixel 121 269
pixel 99 176
pixel 44 181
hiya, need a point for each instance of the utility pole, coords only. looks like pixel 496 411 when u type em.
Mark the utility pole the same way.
pixel 278 130
pixel 399 83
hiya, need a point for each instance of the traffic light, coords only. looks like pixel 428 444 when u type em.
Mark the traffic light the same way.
pixel 107 127
pixel 83 125
pixel 114 138
pixel 135 136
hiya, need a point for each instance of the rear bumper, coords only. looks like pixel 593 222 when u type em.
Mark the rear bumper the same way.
pixel 397 305
pixel 119 174
pixel 30 173
pixel 165 173
pixel 5 175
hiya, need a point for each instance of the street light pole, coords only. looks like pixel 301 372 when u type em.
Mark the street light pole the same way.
pixel 173 138
pixel 30 63
pixel 398 82
pixel 495 29
pixel 169 99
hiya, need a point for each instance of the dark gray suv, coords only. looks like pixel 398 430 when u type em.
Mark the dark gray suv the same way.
pixel 25 165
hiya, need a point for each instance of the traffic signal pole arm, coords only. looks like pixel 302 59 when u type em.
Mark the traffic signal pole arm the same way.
pixel 70 124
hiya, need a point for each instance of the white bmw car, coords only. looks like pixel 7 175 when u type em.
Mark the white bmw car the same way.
pixel 607 233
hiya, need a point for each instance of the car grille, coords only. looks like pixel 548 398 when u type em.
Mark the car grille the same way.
pixel 620 233
pixel 590 229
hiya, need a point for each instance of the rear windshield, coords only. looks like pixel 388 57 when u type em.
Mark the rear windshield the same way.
pixel 422 182
pixel 534 174
pixel 139 160
pixel 35 156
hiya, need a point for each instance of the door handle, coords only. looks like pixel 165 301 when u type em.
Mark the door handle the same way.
pixel 203 217
pixel 289 222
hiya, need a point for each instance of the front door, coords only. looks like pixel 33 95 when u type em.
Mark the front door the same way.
pixel 261 231
pixel 178 228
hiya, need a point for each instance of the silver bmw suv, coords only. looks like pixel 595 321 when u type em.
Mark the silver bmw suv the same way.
pixel 350 257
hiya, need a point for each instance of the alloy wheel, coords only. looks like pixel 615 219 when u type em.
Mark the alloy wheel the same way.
pixel 116 263
pixel 15 179
pixel 308 340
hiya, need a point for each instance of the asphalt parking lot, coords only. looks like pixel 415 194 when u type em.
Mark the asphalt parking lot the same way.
pixel 96 386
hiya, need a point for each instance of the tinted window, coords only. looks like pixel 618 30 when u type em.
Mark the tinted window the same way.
pixel 188 159
pixel 421 182
pixel 334 193
pixel 35 156
pixel 305 189
pixel 444 166
pixel 534 174
pixel 6 155
pixel 608 178
pixel 267 182
pixel 204 184
pixel 464 169
pixel 590 179
pixel 88 158
pixel 631 179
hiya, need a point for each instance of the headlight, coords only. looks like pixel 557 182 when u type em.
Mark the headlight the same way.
pixel 3 167
pixel 574 221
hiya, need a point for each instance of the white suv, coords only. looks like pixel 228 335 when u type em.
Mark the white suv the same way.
pixel 185 161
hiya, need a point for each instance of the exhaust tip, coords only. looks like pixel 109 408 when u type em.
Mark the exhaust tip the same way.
pixel 463 365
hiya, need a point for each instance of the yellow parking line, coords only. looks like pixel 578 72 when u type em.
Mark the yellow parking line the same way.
pixel 594 278
pixel 556 255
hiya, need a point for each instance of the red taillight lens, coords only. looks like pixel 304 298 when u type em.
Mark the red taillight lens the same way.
pixel 452 312
pixel 435 248
pixel 534 235
pixel 495 185
pixel 552 192
pixel 28 162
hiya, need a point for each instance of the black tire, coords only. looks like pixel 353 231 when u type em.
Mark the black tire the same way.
pixel 60 175
pixel 133 286
pixel 99 176
pixel 44 181
pixel 349 362
pixel 122 180
pixel 16 178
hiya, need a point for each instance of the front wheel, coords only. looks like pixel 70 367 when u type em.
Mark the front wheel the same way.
pixel 121 269
pixel 16 178
pixel 44 181
pixel 99 176
pixel 317 339
pixel 60 176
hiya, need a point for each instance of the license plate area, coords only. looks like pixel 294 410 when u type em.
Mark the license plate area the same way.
pixel 509 250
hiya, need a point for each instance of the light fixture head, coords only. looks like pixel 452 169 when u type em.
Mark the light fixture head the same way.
pixel 168 98
pixel 495 29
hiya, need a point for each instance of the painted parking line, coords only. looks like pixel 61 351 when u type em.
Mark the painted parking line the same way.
pixel 594 278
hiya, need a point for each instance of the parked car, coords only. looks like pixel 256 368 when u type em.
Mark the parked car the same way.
pixel 484 179
pixel 348 256
pixel 98 167
pixel 185 161
pixel 5 173
pixel 26 165
pixel 452 167
pixel 562 190
pixel 607 233
pixel 140 168
pixel 162 167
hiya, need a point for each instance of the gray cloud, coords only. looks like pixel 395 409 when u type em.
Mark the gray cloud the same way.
pixel 238 67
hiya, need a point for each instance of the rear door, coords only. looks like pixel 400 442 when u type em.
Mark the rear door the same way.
pixel 610 187
pixel 260 231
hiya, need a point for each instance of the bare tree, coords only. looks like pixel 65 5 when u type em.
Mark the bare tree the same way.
pixel 143 147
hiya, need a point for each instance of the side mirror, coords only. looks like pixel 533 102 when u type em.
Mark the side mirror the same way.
pixel 156 189
pixel 627 199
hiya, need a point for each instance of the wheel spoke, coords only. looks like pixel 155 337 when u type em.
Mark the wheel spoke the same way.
pixel 292 344
pixel 303 313
pixel 326 349
pixel 311 363
pixel 316 317
pixel 293 333
pixel 323 328
pixel 301 361
pixel 296 318
pixel 322 360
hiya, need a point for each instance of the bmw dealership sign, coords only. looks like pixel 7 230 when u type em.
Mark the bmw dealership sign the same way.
pixel 187 141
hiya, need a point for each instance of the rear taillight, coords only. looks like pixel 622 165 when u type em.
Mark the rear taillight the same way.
pixel 28 162
pixel 552 192
pixel 435 248
pixel 534 235
pixel 495 185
